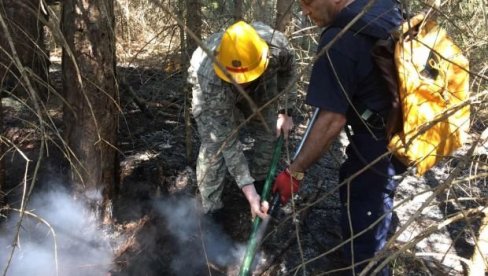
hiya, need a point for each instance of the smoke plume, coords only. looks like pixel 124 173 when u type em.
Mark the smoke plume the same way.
pixel 201 242
pixel 60 236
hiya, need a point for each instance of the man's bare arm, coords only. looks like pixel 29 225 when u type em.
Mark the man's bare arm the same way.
pixel 325 129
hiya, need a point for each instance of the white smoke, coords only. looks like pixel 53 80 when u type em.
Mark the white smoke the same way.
pixel 77 246
pixel 200 241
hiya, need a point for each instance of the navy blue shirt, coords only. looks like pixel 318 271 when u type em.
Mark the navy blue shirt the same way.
pixel 346 74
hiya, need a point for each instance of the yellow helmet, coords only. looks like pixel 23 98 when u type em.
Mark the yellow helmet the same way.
pixel 242 52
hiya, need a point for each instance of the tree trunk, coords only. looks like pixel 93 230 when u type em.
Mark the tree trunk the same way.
pixel 27 35
pixel 283 14
pixel 90 115
pixel 238 12
pixel 194 23
pixel 2 162
pixel 263 11
pixel 22 56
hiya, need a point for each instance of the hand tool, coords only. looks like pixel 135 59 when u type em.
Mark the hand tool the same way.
pixel 259 226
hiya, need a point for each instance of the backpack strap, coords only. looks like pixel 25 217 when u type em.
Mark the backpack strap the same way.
pixel 376 120
pixel 383 54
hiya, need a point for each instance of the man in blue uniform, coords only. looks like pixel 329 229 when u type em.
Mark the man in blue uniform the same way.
pixel 348 88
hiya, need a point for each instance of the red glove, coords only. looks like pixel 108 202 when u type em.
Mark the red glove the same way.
pixel 284 184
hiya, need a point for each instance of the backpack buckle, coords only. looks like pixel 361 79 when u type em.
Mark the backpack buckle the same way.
pixel 373 119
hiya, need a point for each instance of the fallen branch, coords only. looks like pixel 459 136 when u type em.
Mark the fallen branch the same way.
pixel 137 100
pixel 432 229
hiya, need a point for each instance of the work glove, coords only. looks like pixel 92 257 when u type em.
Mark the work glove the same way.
pixel 285 184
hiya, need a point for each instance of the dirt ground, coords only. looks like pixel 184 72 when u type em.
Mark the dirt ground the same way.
pixel 168 175
pixel 156 173
pixel 159 229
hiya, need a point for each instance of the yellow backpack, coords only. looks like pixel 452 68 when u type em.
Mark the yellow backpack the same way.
pixel 433 90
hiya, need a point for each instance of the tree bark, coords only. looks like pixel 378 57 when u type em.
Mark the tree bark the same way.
pixel 263 11
pixel 238 12
pixel 2 162
pixel 27 34
pixel 22 56
pixel 91 115
pixel 283 14
pixel 194 23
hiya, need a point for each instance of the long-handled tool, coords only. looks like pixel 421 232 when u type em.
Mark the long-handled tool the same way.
pixel 257 231
pixel 259 226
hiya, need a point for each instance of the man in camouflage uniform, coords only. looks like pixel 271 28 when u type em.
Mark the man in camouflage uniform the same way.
pixel 260 61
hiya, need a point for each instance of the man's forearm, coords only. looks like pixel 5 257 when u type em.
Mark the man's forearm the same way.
pixel 324 131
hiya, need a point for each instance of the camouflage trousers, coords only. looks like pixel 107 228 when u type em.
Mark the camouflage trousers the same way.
pixel 221 151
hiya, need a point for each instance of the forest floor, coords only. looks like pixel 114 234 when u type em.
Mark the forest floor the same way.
pixel 159 229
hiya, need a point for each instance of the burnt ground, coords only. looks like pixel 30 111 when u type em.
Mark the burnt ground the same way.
pixel 159 229
pixel 169 177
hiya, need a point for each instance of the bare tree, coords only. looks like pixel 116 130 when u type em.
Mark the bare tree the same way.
pixel 238 13
pixel 89 81
pixel 27 36
pixel 263 11
pixel 283 14
pixel 194 23
pixel 2 163
pixel 22 57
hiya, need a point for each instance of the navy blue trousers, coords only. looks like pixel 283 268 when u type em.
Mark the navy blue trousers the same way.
pixel 366 198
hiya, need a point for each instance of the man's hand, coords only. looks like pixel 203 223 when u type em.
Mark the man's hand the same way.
pixel 257 207
pixel 285 185
pixel 284 124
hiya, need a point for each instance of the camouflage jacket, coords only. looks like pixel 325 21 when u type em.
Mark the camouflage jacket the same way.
pixel 280 72
pixel 216 99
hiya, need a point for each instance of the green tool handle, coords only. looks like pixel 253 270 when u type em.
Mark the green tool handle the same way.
pixel 253 242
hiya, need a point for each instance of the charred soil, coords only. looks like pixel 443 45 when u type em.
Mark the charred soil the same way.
pixel 158 228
